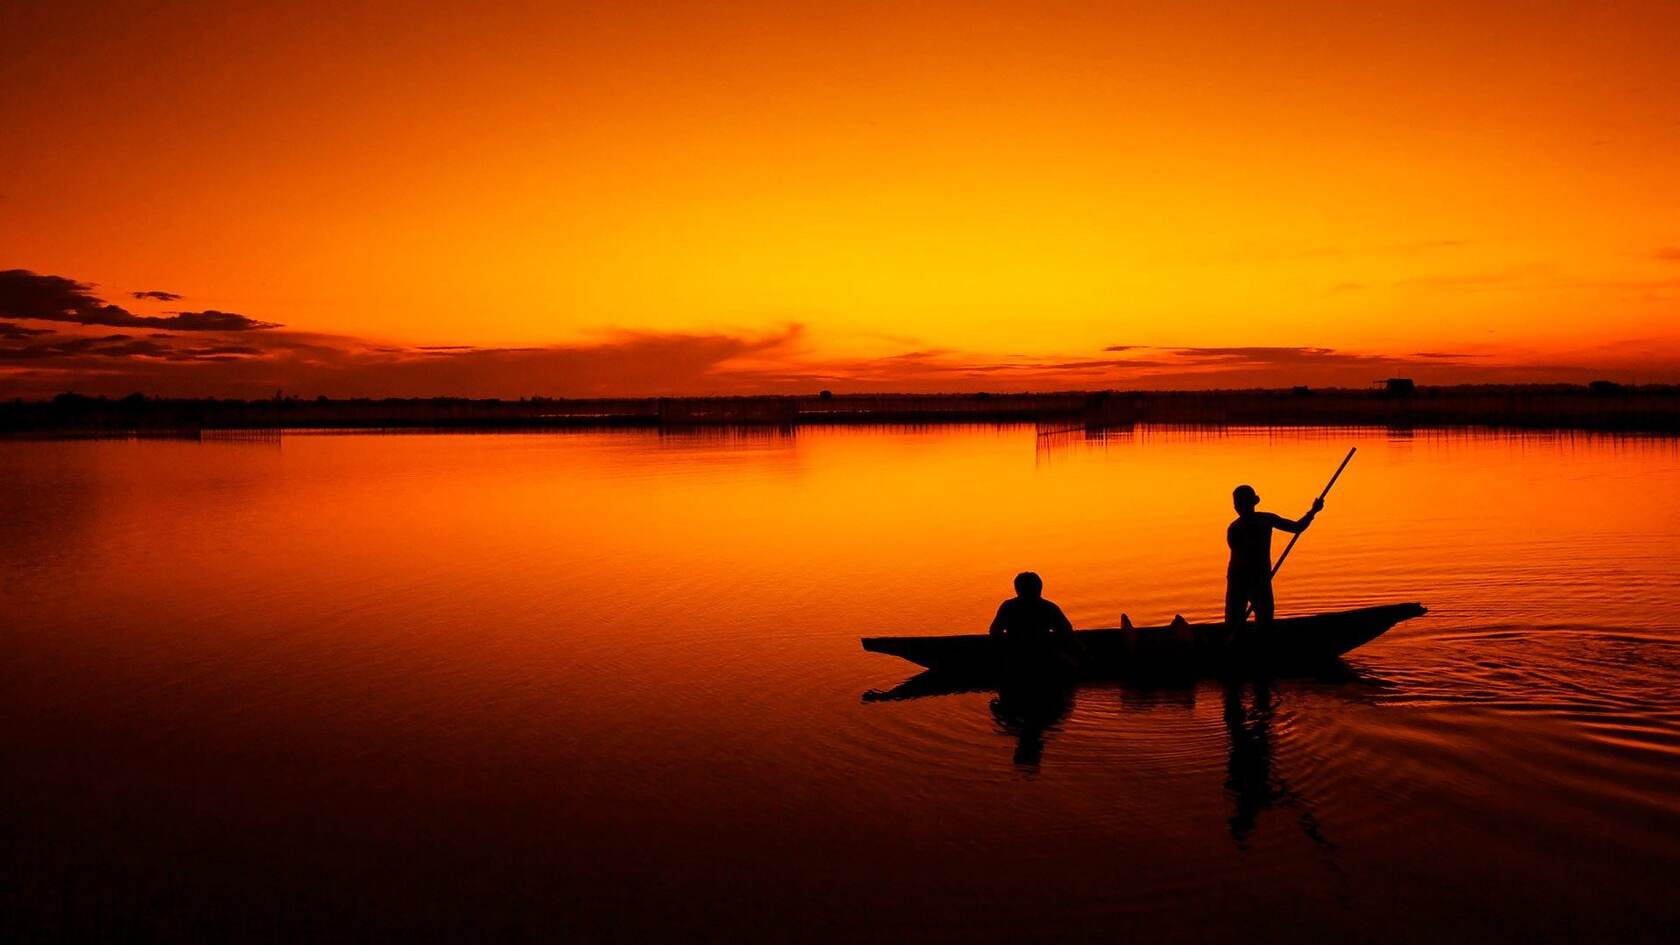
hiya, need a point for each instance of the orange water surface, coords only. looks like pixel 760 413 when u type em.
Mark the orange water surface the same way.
pixel 607 686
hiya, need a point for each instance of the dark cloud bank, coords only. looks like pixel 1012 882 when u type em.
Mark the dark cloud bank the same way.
pixel 211 352
pixel 24 294
pixel 226 354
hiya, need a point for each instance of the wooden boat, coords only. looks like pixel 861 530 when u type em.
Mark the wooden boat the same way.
pixel 1180 647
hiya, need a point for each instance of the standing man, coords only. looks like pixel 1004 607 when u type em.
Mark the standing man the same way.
pixel 1248 578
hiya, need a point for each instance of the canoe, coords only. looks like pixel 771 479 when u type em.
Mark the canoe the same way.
pixel 1181 647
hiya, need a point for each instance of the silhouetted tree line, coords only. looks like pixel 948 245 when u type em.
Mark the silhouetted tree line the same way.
pixel 1602 405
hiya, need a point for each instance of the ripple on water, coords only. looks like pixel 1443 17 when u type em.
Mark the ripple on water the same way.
pixel 1460 718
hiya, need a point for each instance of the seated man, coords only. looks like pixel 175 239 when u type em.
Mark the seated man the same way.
pixel 1028 623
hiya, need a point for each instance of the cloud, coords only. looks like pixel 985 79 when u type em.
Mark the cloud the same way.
pixel 214 353
pixel 1293 356
pixel 80 349
pixel 1192 368
pixel 1132 367
pixel 12 331
pixel 207 320
pixel 1148 367
pixel 1273 366
pixel 642 364
pixel 29 295
pixel 157 295
pixel 256 364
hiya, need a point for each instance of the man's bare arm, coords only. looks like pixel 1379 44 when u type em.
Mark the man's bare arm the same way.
pixel 1299 525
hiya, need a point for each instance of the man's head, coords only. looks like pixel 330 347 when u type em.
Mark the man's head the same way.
pixel 1245 498
pixel 1028 584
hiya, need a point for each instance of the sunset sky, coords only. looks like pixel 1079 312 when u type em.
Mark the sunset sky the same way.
pixel 505 199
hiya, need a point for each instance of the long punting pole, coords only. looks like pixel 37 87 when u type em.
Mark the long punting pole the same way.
pixel 1297 536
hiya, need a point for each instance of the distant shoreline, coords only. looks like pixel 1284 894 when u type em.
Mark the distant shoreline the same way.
pixel 1599 406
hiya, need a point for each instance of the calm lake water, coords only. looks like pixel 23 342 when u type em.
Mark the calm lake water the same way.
pixel 607 686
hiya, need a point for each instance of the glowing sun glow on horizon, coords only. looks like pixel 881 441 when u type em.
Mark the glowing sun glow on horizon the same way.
pixel 768 196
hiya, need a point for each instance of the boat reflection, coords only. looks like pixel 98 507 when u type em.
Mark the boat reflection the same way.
pixel 1033 710
pixel 1027 709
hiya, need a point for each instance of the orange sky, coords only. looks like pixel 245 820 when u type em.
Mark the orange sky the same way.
pixel 662 198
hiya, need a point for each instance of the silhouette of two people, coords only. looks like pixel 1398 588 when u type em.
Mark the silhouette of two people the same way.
pixel 1248 578
pixel 1029 624
pixel 1037 636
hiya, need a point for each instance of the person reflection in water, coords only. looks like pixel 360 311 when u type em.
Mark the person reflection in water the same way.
pixel 1249 768
pixel 1254 787
pixel 1030 709
pixel 1030 626
pixel 1248 578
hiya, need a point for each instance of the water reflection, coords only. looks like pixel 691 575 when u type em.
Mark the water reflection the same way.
pixel 613 678
pixel 1030 710
pixel 924 684
pixel 1255 787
